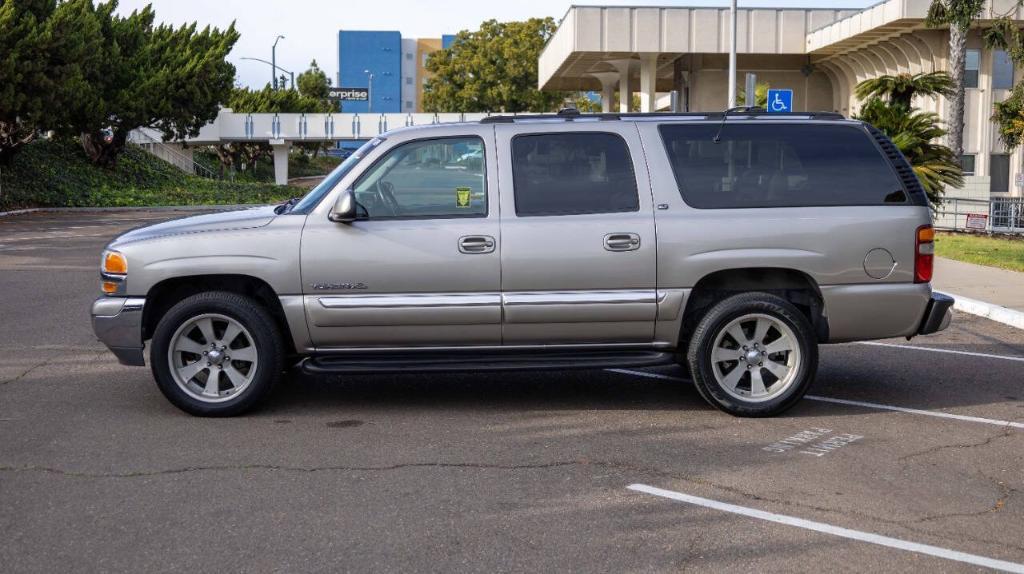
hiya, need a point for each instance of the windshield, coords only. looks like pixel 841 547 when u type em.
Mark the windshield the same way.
pixel 311 199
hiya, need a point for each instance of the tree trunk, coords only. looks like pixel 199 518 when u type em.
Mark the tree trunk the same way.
pixel 101 151
pixel 12 137
pixel 957 60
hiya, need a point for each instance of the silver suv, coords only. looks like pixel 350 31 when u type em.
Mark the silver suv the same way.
pixel 732 244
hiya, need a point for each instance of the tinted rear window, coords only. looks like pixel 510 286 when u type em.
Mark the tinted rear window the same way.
pixel 773 165
pixel 572 174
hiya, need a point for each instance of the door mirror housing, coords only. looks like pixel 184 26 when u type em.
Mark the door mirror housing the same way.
pixel 346 208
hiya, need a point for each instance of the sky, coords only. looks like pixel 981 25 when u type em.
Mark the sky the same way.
pixel 310 27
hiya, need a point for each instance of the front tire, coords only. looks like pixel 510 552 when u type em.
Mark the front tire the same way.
pixel 216 354
pixel 753 355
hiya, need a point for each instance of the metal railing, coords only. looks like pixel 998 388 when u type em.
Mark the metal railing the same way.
pixel 997 215
pixel 167 153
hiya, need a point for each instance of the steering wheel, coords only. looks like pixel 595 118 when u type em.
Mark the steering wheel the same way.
pixel 386 191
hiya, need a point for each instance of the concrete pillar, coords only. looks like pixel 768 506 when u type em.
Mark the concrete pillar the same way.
pixel 624 67
pixel 648 82
pixel 609 81
pixel 280 162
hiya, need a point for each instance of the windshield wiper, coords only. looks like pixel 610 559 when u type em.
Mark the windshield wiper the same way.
pixel 286 206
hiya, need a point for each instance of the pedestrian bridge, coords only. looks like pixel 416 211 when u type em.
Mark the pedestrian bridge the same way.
pixel 282 130
pixel 332 127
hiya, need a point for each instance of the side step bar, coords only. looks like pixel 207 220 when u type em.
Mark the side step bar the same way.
pixel 428 362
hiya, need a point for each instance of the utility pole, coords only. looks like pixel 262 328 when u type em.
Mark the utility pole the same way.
pixel 732 55
pixel 273 62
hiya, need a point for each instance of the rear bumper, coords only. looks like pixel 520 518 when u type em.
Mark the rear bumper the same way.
pixel 117 322
pixel 937 315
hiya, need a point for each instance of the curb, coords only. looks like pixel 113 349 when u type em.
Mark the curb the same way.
pixel 990 311
pixel 129 208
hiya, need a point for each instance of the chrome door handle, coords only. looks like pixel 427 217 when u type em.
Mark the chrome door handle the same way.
pixel 473 244
pixel 622 242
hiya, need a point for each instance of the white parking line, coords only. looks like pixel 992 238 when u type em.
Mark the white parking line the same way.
pixel 928 549
pixel 950 351
pixel 646 374
pixel 938 414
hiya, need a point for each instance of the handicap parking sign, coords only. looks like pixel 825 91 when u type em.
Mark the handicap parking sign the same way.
pixel 780 101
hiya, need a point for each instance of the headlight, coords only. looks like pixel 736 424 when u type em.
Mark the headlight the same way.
pixel 113 270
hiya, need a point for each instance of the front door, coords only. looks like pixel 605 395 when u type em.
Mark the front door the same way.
pixel 577 227
pixel 423 267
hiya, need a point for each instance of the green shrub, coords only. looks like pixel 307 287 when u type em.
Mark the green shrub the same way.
pixel 50 173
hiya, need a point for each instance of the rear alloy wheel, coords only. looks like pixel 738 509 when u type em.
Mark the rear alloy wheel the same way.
pixel 216 354
pixel 753 354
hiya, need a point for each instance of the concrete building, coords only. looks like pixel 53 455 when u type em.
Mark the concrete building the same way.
pixel 361 53
pixel 821 54
pixel 397 65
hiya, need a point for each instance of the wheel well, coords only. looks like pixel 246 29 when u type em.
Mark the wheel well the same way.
pixel 169 292
pixel 794 286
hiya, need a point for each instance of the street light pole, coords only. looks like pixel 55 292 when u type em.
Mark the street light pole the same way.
pixel 369 91
pixel 273 69
pixel 273 61
pixel 732 56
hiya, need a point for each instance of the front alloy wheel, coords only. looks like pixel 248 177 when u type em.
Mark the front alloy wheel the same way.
pixel 213 358
pixel 216 354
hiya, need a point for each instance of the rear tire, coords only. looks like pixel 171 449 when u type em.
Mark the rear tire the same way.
pixel 753 355
pixel 192 348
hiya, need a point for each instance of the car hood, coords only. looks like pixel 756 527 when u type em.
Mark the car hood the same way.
pixel 221 221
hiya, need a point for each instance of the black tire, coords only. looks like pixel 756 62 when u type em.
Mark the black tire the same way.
pixel 719 317
pixel 266 341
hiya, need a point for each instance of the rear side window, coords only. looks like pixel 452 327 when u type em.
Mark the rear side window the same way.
pixel 773 165
pixel 572 174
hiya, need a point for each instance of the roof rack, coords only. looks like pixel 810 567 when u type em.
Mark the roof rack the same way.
pixel 571 114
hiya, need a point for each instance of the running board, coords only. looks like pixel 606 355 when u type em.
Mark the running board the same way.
pixel 428 362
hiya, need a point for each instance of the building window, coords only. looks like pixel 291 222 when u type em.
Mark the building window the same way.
pixel 408 55
pixel 999 170
pixel 408 105
pixel 967 164
pixel 1002 70
pixel 972 67
pixel 425 56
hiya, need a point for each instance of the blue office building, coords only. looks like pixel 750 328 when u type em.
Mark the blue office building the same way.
pixel 447 40
pixel 380 53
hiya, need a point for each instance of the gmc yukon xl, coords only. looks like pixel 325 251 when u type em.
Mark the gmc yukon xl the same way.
pixel 731 243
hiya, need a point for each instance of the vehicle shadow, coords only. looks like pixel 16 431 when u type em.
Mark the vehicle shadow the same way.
pixel 535 390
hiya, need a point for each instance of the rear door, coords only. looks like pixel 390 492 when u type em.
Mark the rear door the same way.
pixel 578 256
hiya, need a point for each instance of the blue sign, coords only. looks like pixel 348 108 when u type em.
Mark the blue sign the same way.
pixel 780 101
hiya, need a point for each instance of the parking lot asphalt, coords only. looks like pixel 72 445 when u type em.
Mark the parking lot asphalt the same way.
pixel 493 472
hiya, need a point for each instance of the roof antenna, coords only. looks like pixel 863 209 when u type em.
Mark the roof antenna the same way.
pixel 725 116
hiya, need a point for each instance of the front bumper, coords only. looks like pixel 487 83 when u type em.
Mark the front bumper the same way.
pixel 117 322
pixel 937 315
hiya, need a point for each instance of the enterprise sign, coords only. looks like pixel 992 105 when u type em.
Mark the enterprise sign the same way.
pixel 348 94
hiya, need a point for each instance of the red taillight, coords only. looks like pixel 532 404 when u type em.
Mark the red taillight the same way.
pixel 924 254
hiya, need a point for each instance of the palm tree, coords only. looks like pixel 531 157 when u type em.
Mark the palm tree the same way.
pixel 958 15
pixel 916 134
pixel 899 90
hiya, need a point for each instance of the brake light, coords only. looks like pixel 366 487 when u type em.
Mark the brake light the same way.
pixel 924 254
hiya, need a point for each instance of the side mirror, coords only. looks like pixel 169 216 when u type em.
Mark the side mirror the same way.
pixel 345 209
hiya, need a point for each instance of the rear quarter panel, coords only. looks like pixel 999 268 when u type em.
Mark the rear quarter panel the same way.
pixel 829 244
